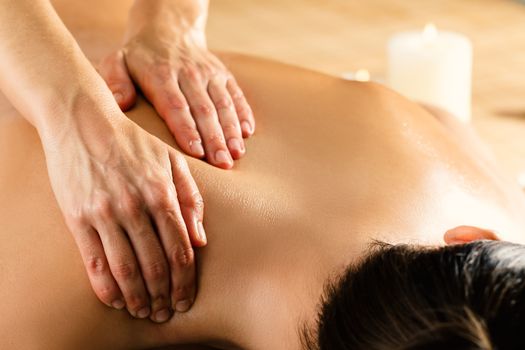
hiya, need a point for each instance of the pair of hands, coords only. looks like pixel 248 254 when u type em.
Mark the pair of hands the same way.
pixel 129 199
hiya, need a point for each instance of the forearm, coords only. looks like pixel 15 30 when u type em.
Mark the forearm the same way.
pixel 43 72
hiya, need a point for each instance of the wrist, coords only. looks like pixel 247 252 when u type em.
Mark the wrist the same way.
pixel 59 98
pixel 78 115
pixel 168 17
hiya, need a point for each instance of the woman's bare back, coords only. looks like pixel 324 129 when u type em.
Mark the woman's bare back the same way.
pixel 334 164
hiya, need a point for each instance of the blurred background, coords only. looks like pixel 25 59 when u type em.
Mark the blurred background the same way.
pixel 337 36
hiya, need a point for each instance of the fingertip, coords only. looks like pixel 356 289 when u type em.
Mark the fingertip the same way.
pixel 247 129
pixel 199 236
pixel 236 148
pixel 224 166
pixel 118 304
pixel 125 99
pixel 143 313
pixel 130 102
pixel 196 149
pixel 183 305
pixel 161 316
pixel 201 243
pixel 222 159
pixel 119 98
pixel 183 298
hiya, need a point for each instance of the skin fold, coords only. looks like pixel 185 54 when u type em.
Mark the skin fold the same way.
pixel 333 165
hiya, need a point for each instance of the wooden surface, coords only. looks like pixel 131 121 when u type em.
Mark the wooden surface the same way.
pixel 335 36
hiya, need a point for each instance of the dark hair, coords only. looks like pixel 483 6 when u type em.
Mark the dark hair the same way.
pixel 468 296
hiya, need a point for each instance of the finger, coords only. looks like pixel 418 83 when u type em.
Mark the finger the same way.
pixel 171 105
pixel 164 207
pixel 205 116
pixel 94 258
pixel 122 262
pixel 227 116
pixel 243 109
pixel 114 71
pixel 190 199
pixel 149 253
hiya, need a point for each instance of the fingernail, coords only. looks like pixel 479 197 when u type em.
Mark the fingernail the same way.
pixel 183 305
pixel 222 156
pixel 162 315
pixel 235 144
pixel 196 148
pixel 118 97
pixel 202 233
pixel 143 313
pixel 118 304
pixel 246 126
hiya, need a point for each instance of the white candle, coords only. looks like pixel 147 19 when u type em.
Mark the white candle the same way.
pixel 432 67
pixel 361 75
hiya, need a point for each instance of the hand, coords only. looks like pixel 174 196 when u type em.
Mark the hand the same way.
pixel 190 88
pixel 134 210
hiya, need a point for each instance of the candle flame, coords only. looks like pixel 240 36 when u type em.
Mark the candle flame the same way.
pixel 362 75
pixel 430 32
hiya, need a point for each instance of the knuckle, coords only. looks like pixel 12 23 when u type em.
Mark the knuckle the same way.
pixel 96 265
pixel 135 301
pixel 171 216
pixel 192 73
pixel 243 109
pixel 181 292
pixel 216 139
pixel 237 95
pixel 155 271
pixel 76 219
pixel 231 128
pixel 101 208
pixel 187 129
pixel 131 206
pixel 196 202
pixel 179 160
pixel 163 199
pixel 208 69
pixel 125 270
pixel 181 257
pixel 203 110
pixel 163 72
pixel 224 102
pixel 175 102
pixel 106 293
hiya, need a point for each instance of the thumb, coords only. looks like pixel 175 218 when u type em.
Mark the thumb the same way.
pixel 114 71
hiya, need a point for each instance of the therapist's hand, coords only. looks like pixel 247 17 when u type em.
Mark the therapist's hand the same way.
pixel 133 208
pixel 190 88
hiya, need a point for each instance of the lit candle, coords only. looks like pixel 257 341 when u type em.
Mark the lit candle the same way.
pixel 432 67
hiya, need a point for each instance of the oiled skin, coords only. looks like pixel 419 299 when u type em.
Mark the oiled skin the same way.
pixel 333 165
